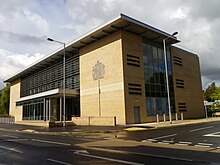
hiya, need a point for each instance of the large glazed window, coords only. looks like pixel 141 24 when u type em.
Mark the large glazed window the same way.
pixel 155 82
pixel 52 78
pixel 33 110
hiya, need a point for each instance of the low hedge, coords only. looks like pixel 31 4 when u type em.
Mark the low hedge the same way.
pixel 5 115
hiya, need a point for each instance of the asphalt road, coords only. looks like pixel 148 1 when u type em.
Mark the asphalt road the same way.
pixel 202 135
pixel 17 147
pixel 27 148
pixel 196 142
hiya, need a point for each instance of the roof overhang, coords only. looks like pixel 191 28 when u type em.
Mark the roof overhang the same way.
pixel 122 22
pixel 49 94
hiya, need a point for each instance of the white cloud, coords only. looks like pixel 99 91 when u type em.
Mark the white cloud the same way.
pixel 13 62
pixel 2 19
pixel 22 23
pixel 36 19
pixel 195 34
pixel 68 26
pixel 180 13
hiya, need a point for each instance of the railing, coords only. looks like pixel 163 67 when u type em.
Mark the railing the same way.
pixel 33 118
pixel 53 118
pixel 9 120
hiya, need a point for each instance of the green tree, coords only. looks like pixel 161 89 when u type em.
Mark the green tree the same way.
pixel 216 95
pixel 215 107
pixel 208 93
pixel 4 100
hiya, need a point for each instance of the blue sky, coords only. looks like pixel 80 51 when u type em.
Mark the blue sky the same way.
pixel 25 25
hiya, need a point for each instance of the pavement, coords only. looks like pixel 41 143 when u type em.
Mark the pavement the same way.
pixel 175 123
pixel 74 130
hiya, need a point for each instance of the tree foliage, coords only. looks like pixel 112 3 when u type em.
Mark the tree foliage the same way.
pixel 4 100
pixel 215 107
pixel 216 94
pixel 210 92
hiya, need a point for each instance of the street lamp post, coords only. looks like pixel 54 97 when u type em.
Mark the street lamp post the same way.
pixel 64 79
pixel 167 77
pixel 206 113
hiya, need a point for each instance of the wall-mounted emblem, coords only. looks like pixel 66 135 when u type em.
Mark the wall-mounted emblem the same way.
pixel 98 71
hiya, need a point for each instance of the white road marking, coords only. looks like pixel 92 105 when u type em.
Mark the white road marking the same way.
pixel 213 134
pixel 80 151
pixel 199 129
pixel 206 144
pixel 51 142
pixel 13 140
pixel 182 142
pixel 57 161
pixel 138 153
pixel 168 141
pixel 108 159
pixel 201 146
pixel 153 140
pixel 10 136
pixel 11 149
pixel 163 143
pixel 161 137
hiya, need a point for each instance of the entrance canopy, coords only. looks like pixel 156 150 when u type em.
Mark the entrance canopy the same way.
pixel 49 94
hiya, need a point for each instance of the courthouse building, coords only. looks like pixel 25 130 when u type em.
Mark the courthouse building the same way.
pixel 114 74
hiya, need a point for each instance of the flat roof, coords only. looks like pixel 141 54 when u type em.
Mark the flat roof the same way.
pixel 123 22
pixel 184 50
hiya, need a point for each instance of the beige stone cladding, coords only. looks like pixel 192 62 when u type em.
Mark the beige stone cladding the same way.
pixel 14 110
pixel 94 120
pixel 133 75
pixel 108 52
pixel 187 83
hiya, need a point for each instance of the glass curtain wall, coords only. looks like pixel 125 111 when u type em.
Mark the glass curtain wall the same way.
pixel 155 82
pixel 33 110
pixel 49 109
pixel 52 78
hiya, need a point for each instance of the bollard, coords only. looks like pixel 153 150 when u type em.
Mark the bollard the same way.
pixel 164 118
pixel 181 116
pixel 114 120
pixel 89 120
pixel 158 118
pixel 176 116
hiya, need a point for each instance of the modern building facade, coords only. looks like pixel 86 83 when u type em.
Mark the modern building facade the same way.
pixel 115 72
